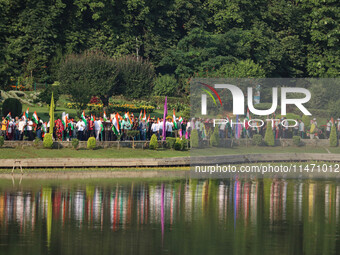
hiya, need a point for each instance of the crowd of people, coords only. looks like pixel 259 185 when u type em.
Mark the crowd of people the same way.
pixel 117 128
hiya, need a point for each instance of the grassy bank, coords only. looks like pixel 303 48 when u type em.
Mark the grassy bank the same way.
pixel 32 152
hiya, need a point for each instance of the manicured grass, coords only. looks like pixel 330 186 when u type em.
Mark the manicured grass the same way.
pixel 253 149
pixel 31 152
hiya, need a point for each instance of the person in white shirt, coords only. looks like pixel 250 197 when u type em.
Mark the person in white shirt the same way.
pixel 154 128
pixel 80 126
pixel 97 128
pixel 328 128
pixel 168 127
pixel 30 129
pixel 21 128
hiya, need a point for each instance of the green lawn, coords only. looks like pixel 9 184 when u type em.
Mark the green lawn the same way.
pixel 31 152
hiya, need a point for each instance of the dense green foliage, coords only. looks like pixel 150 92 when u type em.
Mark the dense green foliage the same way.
pixel 269 135
pixel 257 140
pixel 170 142
pixel 88 74
pixel 153 145
pixel 13 106
pixel 165 85
pixel 180 144
pixel 48 141
pixel 2 141
pixel 272 38
pixel 91 143
pixel 46 94
pixel 333 139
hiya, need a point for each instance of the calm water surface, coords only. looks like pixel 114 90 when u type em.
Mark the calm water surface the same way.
pixel 170 217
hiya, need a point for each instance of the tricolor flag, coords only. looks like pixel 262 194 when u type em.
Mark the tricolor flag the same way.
pixel 248 115
pixel 140 115
pixel 44 127
pixel 8 116
pixel 84 118
pixel 104 116
pixel 92 118
pixel 174 119
pixel 127 116
pixel 64 118
pixel 180 120
pixel 116 126
pixel 35 117
pixel 148 119
pixel 25 115
pixel 144 116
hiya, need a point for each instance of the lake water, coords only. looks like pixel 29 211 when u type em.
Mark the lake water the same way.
pixel 170 217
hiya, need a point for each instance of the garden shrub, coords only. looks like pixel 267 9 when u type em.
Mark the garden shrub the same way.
pixel 180 144
pixel 297 140
pixel 2 141
pixel 269 136
pixel 48 141
pixel 153 142
pixel 214 139
pixel 13 106
pixel 257 140
pixel 170 142
pixel 194 138
pixel 333 139
pixel 36 142
pixel 91 143
pixel 75 143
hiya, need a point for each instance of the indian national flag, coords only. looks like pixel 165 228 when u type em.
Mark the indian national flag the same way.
pixel 8 116
pixel 144 116
pixel 64 118
pixel 158 121
pixel 84 118
pixel 92 118
pixel 180 119
pixel 25 115
pixel 148 119
pixel 174 119
pixel 116 126
pixel 248 115
pixel 35 117
pixel 127 116
pixel 44 127
pixel 101 127
pixel 140 115
pixel 104 117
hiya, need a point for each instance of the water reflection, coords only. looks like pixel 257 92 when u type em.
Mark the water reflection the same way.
pixel 183 216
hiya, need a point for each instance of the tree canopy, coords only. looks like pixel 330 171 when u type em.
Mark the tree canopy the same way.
pixel 278 38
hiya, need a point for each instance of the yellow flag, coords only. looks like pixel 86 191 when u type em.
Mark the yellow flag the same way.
pixel 51 115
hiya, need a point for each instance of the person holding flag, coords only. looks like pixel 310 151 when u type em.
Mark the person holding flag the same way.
pixel 116 125
pixel 4 124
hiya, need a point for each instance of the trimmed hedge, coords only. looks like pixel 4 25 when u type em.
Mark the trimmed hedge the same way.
pixel 269 136
pixel 91 143
pixel 13 106
pixel 170 142
pixel 194 138
pixel 333 139
pixel 153 142
pixel 257 140
pixel 48 141
pixel 214 139
pixel 75 143
pixel 180 145
pixel 2 141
